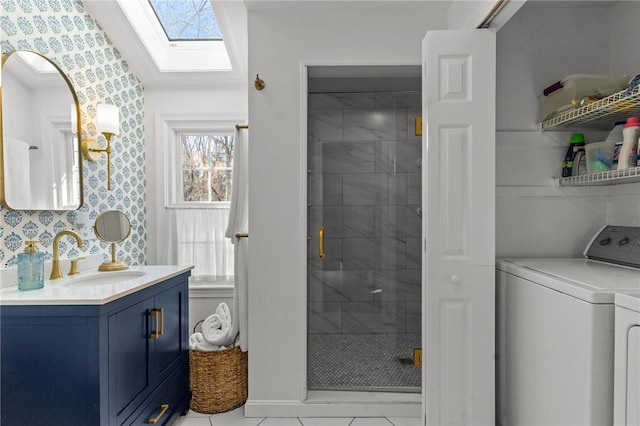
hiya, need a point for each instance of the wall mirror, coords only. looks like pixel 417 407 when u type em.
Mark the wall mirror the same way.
pixel 40 160
pixel 112 227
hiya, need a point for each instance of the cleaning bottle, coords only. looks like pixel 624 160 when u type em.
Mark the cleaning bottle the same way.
pixel 576 142
pixel 614 139
pixel 629 147
pixel 579 163
pixel 30 268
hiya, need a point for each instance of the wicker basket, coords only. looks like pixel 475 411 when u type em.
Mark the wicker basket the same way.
pixel 218 380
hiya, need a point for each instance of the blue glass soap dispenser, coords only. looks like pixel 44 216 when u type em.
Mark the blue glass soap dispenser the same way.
pixel 30 268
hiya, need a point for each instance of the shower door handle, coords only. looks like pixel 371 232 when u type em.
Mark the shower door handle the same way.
pixel 321 242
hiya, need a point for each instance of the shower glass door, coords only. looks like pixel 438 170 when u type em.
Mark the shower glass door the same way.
pixel 364 227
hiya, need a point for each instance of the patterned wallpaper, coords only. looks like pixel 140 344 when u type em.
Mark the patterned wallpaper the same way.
pixel 64 32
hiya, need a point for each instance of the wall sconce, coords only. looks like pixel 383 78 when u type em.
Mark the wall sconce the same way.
pixel 109 125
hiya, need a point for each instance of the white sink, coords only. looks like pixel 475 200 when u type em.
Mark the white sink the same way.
pixel 104 278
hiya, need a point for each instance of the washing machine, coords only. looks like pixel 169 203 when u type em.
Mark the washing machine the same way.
pixel 626 383
pixel 555 332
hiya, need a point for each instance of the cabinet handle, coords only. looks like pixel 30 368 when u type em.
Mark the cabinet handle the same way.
pixel 161 321
pixel 163 409
pixel 158 316
pixel 321 243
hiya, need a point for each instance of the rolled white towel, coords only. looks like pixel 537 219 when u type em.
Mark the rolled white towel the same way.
pixel 194 339
pixel 216 330
pixel 224 312
pixel 212 328
pixel 197 342
pixel 208 347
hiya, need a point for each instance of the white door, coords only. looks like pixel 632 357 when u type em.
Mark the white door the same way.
pixel 459 227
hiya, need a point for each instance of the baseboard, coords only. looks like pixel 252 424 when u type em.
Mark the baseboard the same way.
pixel 321 406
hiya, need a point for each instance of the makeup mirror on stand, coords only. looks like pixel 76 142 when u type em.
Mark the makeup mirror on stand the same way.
pixel 112 227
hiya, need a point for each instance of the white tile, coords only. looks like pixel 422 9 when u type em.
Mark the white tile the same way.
pixel 192 414
pixel 193 419
pixel 329 421
pixel 406 421
pixel 235 418
pixel 373 421
pixel 280 421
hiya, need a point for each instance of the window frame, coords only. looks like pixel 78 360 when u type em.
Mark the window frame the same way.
pixel 169 128
pixel 179 177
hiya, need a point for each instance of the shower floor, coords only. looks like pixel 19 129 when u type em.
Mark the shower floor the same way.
pixel 363 362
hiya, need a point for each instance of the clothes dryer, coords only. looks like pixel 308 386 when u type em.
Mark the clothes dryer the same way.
pixel 555 328
pixel 626 390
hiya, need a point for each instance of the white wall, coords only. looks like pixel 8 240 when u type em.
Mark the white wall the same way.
pixel 534 217
pixel 227 102
pixel 281 41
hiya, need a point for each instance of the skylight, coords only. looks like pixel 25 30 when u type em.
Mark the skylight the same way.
pixel 184 20
pixel 195 49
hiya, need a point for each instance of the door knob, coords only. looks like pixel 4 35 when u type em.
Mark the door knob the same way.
pixel 455 279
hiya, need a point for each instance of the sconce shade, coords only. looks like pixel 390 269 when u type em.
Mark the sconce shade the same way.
pixel 108 119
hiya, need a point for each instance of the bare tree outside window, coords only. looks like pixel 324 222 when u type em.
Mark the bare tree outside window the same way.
pixel 187 19
pixel 207 162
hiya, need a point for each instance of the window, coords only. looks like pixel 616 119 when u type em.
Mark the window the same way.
pixel 195 169
pixel 187 19
pixel 206 162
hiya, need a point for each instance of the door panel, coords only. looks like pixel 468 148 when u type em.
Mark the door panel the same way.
pixel 459 228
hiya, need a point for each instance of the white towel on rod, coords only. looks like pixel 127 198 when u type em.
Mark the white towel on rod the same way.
pixel 239 224
pixel 17 170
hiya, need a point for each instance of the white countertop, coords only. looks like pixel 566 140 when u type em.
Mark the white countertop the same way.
pixel 91 287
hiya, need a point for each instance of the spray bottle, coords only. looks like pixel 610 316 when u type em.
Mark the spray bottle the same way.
pixel 629 147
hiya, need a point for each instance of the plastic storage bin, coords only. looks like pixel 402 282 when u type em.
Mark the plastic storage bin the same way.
pixel 577 86
pixel 599 156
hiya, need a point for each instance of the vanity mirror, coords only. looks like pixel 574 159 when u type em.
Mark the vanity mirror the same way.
pixel 40 160
pixel 112 227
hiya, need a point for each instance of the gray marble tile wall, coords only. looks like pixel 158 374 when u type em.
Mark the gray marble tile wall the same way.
pixel 365 190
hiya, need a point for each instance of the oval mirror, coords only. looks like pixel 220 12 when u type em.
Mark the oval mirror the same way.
pixel 112 227
pixel 40 167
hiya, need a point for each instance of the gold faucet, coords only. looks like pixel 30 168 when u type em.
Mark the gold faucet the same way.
pixel 55 267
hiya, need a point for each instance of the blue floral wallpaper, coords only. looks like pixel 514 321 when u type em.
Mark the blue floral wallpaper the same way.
pixel 64 32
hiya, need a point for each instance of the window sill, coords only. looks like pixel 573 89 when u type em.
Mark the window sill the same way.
pixel 216 205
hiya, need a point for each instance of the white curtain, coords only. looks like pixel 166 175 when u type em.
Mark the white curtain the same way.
pixel 239 224
pixel 197 237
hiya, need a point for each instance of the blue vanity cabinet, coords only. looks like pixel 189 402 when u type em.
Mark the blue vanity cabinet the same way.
pixel 122 363
pixel 148 343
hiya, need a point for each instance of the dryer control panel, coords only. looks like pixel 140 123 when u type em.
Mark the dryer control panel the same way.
pixel 616 244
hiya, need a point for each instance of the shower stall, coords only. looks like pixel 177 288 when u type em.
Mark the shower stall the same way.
pixel 364 235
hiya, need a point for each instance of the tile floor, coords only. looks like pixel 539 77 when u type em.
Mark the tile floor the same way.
pixel 236 418
pixel 329 368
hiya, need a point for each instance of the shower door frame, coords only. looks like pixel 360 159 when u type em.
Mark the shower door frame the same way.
pixel 358 403
pixel 395 138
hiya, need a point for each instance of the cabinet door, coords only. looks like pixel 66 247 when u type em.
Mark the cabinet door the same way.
pixel 129 372
pixel 170 346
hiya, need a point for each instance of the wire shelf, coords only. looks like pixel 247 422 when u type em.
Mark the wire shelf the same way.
pixel 611 177
pixel 601 114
